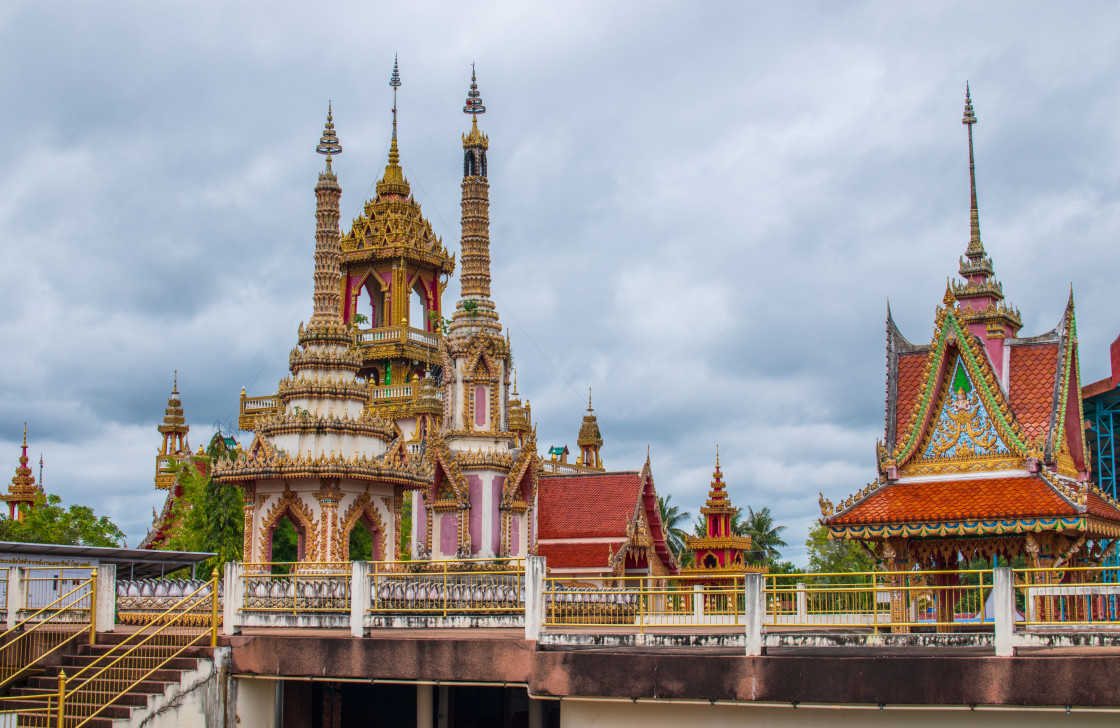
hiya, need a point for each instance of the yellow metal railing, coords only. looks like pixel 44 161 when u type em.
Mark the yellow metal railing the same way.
pixel 881 600
pixel 440 588
pixel 296 588
pixel 1076 595
pixel 47 630
pixel 191 622
pixel 645 602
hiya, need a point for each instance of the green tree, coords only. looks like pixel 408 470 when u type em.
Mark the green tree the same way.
pixel 49 522
pixel 672 520
pixel 404 538
pixel 835 555
pixel 210 514
pixel 766 537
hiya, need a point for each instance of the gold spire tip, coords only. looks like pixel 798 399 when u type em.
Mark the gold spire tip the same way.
pixel 717 454
pixel 589 399
pixel 25 433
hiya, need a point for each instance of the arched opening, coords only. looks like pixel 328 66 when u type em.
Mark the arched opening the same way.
pixel 710 562
pixel 361 542
pixel 417 310
pixel 286 542
pixel 372 305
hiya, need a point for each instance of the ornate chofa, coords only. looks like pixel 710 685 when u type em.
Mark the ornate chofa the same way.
pixel 984 453
pixel 321 449
pixel 719 553
pixel 395 269
pixel 23 491
pixel 484 472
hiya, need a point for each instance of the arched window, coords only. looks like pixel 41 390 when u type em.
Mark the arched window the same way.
pixel 286 544
pixel 417 311
pixel 710 562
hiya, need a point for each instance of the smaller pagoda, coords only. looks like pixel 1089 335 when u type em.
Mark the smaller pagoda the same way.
pixel 23 490
pixel 719 554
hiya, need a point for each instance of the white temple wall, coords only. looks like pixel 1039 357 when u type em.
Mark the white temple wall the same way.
pixel 351 445
pixel 341 408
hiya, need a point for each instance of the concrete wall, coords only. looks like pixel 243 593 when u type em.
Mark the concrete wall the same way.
pixel 200 700
pixel 254 702
pixel 578 714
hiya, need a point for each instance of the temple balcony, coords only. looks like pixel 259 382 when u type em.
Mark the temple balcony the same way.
pixel 397 342
pixel 253 408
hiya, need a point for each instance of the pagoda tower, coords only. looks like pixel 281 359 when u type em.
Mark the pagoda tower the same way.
pixel 23 491
pixel 394 271
pixel 175 446
pixel 173 453
pixel 484 475
pixel 589 440
pixel 323 460
pixel 719 553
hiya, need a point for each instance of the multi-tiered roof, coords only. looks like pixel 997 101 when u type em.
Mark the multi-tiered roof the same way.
pixel 984 434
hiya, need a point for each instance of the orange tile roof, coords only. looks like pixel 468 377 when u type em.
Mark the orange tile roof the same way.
pixel 586 505
pixel 577 555
pixel 1031 386
pixel 910 383
pixel 961 500
pixel 1098 506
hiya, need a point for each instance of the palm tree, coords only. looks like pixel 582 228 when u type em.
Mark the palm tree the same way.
pixel 672 518
pixel 766 537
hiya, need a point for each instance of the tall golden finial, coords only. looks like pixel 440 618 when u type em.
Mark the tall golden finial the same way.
pixel 514 382
pixel 589 399
pixel 975 249
pixel 175 384
pixel 717 456
pixel 25 434
pixel 393 181
pixel 395 82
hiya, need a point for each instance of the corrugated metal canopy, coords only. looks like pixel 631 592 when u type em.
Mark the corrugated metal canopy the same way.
pixel 130 563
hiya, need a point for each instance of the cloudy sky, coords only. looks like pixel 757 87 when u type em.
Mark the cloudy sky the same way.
pixel 699 210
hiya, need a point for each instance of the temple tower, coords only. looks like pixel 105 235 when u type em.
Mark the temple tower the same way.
pixel 175 447
pixel 719 552
pixel 589 440
pixel 23 491
pixel 484 477
pixel 323 460
pixel 394 272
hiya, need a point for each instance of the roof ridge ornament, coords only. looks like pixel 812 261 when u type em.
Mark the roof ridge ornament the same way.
pixel 975 251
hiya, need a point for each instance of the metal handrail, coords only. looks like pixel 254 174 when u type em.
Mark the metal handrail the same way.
pixel 116 678
pixel 28 638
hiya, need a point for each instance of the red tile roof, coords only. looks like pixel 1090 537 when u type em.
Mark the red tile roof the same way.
pixel 577 555
pixel 586 505
pixel 1031 386
pixel 910 383
pixel 962 500
pixel 1098 506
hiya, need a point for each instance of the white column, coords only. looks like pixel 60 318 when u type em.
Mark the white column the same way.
pixel 1002 600
pixel 233 597
pixel 698 603
pixel 16 593
pixel 753 594
pixel 535 571
pixel 359 597
pixel 425 705
pixel 802 604
pixel 104 611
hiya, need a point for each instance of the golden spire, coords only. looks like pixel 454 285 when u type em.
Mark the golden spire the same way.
pixel 975 250
pixel 393 181
pixel 589 399
pixel 328 249
pixel 717 456
pixel 23 488
pixel 474 277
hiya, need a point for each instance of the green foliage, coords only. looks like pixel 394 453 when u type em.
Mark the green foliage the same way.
pixel 766 537
pixel 361 543
pixel 831 556
pixel 285 545
pixel 49 522
pixel 210 515
pixel 439 323
pixel 471 307
pixel 672 519
pixel 359 318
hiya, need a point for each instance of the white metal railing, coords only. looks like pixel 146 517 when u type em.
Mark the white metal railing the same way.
pixel 394 333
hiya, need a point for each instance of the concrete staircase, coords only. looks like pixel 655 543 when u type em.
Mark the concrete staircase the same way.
pixel 193 666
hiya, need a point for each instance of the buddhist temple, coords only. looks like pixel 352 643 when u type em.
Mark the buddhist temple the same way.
pixel 984 454
pixel 320 457
pixel 593 527
pixel 719 553
pixel 23 490
pixel 590 443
